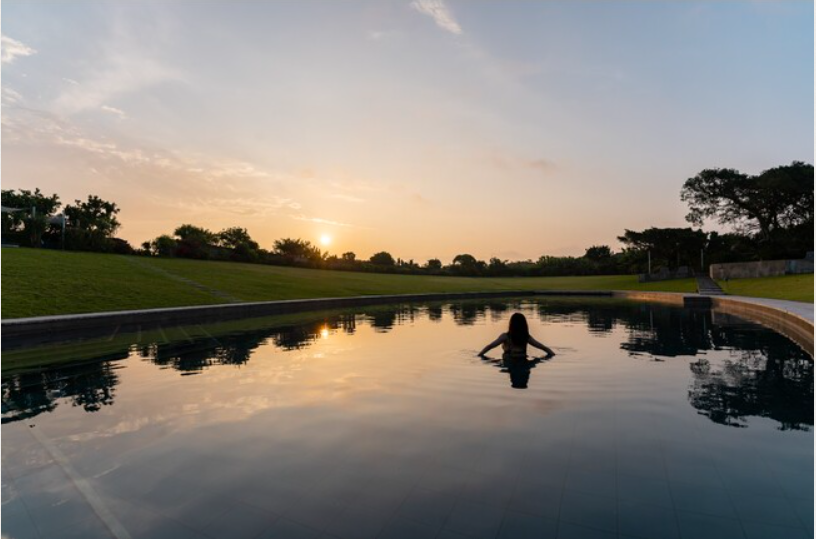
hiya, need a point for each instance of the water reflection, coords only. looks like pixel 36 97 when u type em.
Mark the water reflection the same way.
pixel 765 375
pixel 768 377
pixel 89 386
pixel 518 368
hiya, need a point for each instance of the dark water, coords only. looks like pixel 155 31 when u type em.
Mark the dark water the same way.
pixel 651 422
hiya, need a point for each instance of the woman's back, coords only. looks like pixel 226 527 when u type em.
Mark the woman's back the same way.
pixel 515 341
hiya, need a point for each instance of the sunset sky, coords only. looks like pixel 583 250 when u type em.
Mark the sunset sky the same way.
pixel 425 128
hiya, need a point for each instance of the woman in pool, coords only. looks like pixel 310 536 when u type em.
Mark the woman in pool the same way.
pixel 515 341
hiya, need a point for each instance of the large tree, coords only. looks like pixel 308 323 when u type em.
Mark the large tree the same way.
pixel 32 217
pixel 95 216
pixel 670 247
pixel 236 238
pixel 598 253
pixel 778 198
pixel 382 258
pixel 91 223
pixel 297 250
pixel 434 264
pixel 196 234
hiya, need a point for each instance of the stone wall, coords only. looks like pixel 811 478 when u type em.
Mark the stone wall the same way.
pixel 764 268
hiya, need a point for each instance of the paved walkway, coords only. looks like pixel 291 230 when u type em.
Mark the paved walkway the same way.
pixel 708 287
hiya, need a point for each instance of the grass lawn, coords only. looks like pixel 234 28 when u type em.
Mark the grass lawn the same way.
pixel 40 282
pixel 791 287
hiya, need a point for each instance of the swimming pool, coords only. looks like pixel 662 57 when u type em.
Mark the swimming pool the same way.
pixel 651 421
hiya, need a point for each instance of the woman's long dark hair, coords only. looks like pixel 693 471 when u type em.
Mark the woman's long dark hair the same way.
pixel 519 332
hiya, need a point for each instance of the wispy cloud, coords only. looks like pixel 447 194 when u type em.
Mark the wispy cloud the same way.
pixel 190 183
pixel 321 221
pixel 347 198
pixel 70 81
pixel 113 110
pixel 509 162
pixel 542 165
pixel 440 13
pixel 11 97
pixel 236 205
pixel 12 49
pixel 122 73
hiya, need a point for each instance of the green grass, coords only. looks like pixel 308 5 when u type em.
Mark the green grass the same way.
pixel 790 287
pixel 39 282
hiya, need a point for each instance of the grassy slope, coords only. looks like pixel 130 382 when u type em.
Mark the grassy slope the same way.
pixel 791 287
pixel 254 282
pixel 39 282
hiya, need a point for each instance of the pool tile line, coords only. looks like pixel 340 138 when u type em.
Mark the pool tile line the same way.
pixel 26 509
pixel 88 493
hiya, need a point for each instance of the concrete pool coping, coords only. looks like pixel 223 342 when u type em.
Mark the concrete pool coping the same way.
pixel 792 318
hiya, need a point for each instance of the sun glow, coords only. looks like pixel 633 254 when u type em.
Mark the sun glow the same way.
pixel 325 239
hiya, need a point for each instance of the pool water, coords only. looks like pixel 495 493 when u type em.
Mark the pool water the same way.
pixel 650 422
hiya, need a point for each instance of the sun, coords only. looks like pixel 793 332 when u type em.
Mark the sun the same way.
pixel 325 240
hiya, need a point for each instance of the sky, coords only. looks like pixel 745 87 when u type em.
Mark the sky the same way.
pixel 426 128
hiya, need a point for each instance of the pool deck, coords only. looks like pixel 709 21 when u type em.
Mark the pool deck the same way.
pixel 797 308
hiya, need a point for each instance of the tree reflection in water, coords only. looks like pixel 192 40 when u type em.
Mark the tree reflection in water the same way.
pixel 766 374
pixel 769 377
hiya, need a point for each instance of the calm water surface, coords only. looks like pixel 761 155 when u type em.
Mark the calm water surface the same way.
pixel 651 422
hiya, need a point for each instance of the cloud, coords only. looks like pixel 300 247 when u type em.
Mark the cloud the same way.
pixel 509 162
pixel 11 49
pixel 114 110
pixel 542 165
pixel 122 73
pixel 321 221
pixel 192 183
pixel 70 81
pixel 234 205
pixel 236 169
pixel 439 12
pixel 347 198
pixel 11 97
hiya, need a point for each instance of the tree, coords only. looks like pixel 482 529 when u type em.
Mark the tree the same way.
pixel 434 264
pixel 297 250
pixel 497 266
pixel 32 223
pixel 90 224
pixel 464 260
pixel 778 198
pixel 598 253
pixel 196 234
pixel 466 264
pixel 164 245
pixel 95 215
pixel 382 259
pixel 669 247
pixel 236 237
pixel 194 242
pixel 349 256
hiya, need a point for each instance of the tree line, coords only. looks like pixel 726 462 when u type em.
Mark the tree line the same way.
pixel 769 216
